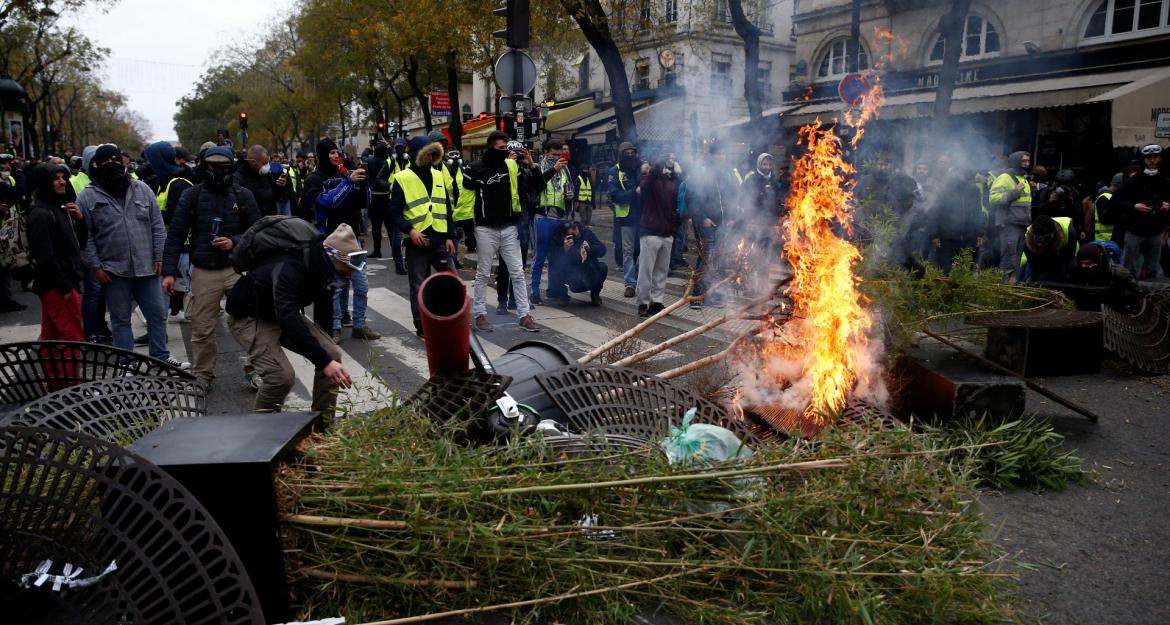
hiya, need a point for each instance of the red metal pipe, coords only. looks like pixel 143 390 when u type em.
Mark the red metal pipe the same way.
pixel 446 319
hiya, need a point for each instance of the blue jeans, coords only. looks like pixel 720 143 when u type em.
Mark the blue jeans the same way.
pixel 395 246
pixel 147 293
pixel 93 307
pixel 361 288
pixel 629 244
pixel 544 228
pixel 283 207
pixel 680 243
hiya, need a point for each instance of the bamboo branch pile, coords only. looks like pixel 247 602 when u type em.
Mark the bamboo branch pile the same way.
pixel 386 520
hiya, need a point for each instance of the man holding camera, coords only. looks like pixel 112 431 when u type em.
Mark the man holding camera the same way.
pixel 574 264
pixel 1144 201
pixel 496 181
pixel 212 215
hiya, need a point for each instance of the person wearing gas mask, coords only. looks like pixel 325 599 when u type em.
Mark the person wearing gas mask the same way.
pixel 255 174
pixel 1144 203
pixel 212 215
pixel 497 182
pixel 1062 200
pixel 383 182
pixel 172 179
pixel 124 251
pixel 1010 196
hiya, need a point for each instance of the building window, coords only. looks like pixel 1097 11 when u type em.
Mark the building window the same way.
pixel 980 41
pixel 1124 19
pixel 644 14
pixel 583 74
pixel 833 63
pixel 720 74
pixel 764 78
pixel 641 74
pixel 466 109
pixel 671 12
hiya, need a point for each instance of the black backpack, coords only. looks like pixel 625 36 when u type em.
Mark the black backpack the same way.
pixel 273 235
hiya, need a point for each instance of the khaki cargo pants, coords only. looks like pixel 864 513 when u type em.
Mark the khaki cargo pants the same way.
pixel 263 342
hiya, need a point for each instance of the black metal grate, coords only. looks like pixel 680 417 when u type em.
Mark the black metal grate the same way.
pixel 1049 318
pixel 118 410
pixel 466 395
pixel 617 400
pixel 34 369
pixel 1142 339
pixel 71 498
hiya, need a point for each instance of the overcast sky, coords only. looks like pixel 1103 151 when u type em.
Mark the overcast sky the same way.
pixel 158 50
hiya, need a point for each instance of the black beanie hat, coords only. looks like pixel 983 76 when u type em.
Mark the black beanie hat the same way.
pixel 104 153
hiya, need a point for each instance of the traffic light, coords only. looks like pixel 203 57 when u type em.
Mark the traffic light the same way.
pixel 515 33
pixel 507 125
pixel 243 120
pixel 381 125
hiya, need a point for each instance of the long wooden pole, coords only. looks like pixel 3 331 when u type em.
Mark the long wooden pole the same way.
pixel 641 327
pixel 1032 384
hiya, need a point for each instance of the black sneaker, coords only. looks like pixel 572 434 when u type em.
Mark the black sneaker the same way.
pixel 142 340
pixel 376 254
pixel 642 310
pixel 346 320
pixel 654 309
pixel 400 270
pixel 501 308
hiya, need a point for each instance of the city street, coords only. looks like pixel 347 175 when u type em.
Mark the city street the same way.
pixel 1080 556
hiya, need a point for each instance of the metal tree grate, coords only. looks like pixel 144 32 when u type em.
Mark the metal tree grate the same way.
pixel 34 369
pixel 466 395
pixel 1142 339
pixel 788 421
pixel 1045 319
pixel 71 498
pixel 617 400
pixel 118 410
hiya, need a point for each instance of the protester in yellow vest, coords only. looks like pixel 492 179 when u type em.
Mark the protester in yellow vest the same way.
pixel 1050 245
pixel 421 208
pixel 1010 196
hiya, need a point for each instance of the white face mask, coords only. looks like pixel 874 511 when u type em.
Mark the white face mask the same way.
pixel 265 169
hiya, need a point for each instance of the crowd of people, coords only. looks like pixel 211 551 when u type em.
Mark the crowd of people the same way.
pixel 176 233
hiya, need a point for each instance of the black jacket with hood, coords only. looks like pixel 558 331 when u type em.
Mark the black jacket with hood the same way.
pixel 55 240
pixel 280 289
pixel 488 177
pixel 330 198
pixel 1151 190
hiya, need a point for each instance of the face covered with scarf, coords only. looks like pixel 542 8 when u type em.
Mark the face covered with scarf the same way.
pixel 107 169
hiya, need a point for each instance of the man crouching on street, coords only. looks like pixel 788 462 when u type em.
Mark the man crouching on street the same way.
pixel 266 306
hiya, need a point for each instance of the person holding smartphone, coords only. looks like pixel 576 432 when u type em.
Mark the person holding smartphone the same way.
pixel 212 215
pixel 339 196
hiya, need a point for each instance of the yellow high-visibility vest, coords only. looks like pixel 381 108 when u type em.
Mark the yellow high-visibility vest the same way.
pixel 1101 232
pixel 166 193
pixel 621 210
pixel 424 209
pixel 585 192
pixel 80 180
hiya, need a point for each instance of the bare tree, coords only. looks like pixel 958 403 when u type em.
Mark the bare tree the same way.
pixel 594 23
pixel 750 34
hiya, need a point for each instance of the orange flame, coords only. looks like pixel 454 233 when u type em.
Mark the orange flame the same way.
pixel 823 355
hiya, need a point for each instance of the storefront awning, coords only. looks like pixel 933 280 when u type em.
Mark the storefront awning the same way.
pixel 476 131
pixel 772 112
pixel 657 121
pixel 1136 106
pixel 563 116
pixel 1032 94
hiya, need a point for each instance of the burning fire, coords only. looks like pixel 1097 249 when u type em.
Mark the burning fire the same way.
pixel 823 355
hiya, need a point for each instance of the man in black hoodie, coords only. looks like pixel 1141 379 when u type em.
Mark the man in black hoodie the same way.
pixel 496 181
pixel 339 197
pixel 56 235
pixel 1144 201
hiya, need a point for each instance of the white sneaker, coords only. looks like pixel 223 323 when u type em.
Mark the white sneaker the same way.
pixel 180 317
pixel 170 360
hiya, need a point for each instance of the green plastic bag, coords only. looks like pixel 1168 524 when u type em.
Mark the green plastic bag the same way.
pixel 702 443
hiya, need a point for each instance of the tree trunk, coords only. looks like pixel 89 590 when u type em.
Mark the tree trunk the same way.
pixel 853 45
pixel 594 24
pixel 951 29
pixel 750 34
pixel 412 80
pixel 455 124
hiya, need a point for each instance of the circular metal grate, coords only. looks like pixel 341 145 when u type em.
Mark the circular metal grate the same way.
pixel 465 396
pixel 617 400
pixel 1036 319
pixel 1142 339
pixel 71 498
pixel 34 369
pixel 118 410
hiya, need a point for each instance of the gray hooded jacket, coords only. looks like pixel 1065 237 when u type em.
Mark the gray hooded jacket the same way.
pixel 126 235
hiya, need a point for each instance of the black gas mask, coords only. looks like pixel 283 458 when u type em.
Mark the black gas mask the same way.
pixel 217 175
